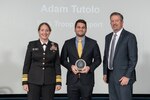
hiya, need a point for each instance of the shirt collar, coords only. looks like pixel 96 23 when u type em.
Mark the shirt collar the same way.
pixel 83 38
pixel 119 32
pixel 43 42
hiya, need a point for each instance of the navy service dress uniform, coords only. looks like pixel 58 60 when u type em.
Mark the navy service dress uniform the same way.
pixel 41 69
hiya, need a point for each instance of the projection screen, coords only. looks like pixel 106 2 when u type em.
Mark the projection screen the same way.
pixel 19 20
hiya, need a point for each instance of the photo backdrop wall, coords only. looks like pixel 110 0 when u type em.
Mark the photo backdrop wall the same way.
pixel 19 20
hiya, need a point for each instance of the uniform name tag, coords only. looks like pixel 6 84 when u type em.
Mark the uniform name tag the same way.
pixel 35 49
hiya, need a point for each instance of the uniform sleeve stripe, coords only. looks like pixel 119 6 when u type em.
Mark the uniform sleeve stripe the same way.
pixel 24 79
pixel 58 76
pixel 24 75
pixel 58 80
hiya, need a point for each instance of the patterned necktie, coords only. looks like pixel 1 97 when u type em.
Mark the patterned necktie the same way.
pixel 112 52
pixel 79 48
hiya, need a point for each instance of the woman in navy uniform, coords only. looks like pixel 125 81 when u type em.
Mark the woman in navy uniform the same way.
pixel 41 71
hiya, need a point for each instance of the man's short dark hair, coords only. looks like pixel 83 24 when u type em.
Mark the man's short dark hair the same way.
pixel 118 14
pixel 81 21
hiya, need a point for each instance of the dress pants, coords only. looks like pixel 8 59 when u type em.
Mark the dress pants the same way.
pixel 118 92
pixel 79 90
pixel 45 92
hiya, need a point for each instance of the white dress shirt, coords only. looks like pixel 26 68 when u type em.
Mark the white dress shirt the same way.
pixel 44 46
pixel 117 38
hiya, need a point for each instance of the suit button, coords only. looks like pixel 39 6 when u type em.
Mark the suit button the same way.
pixel 43 68
pixel 43 58
pixel 43 63
pixel 43 53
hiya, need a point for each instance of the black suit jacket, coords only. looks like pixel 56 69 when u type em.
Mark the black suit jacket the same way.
pixel 41 67
pixel 125 57
pixel 91 55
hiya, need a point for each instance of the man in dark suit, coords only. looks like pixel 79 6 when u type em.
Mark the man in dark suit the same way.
pixel 80 83
pixel 120 59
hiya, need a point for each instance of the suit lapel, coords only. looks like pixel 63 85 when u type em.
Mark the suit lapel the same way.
pixel 40 45
pixel 119 41
pixel 73 48
pixel 48 46
pixel 85 47
pixel 108 44
pixel 109 40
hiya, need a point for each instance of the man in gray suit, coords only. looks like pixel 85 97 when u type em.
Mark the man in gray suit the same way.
pixel 120 59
